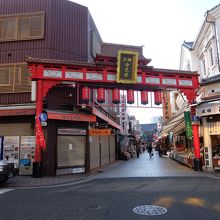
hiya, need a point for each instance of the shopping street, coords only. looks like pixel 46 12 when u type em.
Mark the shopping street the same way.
pixel 142 167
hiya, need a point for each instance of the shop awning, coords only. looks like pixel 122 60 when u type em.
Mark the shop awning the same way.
pixel 179 128
pixel 176 124
pixel 14 110
pixel 105 118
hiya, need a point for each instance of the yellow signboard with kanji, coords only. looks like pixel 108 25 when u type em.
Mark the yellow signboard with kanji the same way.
pixel 127 63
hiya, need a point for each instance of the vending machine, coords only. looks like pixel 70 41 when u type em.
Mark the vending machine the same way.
pixel 1 147
pixel 27 149
pixel 11 149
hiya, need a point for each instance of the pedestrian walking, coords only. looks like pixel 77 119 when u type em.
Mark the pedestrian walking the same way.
pixel 149 150
pixel 138 148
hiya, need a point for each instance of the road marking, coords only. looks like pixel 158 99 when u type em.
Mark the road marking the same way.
pixel 2 191
pixel 149 210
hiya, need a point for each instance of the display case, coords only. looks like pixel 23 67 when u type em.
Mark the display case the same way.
pixel 216 157
pixel 185 157
pixel 216 162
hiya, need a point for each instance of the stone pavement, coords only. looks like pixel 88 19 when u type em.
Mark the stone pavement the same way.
pixel 142 167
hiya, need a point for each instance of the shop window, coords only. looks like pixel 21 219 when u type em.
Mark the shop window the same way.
pixel 22 26
pixel 71 151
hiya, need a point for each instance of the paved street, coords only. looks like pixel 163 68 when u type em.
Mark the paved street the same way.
pixel 157 188
pixel 142 167
pixel 146 167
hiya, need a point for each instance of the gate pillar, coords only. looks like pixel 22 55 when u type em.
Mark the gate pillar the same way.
pixel 39 109
pixel 196 141
pixel 191 95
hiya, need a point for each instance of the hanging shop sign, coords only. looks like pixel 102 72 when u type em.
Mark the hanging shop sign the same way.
pixel 166 105
pixel 127 62
pixel 188 123
pixel 94 132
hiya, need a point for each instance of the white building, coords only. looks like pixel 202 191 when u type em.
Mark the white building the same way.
pixel 202 56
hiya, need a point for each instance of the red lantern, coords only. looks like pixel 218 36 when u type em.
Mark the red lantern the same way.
pixel 85 94
pixel 116 96
pixel 130 96
pixel 157 98
pixel 144 97
pixel 101 95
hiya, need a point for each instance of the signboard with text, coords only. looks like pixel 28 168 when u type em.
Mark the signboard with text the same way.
pixel 71 117
pixel 94 132
pixel 127 63
pixel 188 123
pixel 71 131
pixel 166 105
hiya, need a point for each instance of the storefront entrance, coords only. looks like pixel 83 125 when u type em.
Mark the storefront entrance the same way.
pixel 71 151
pixel 102 150
pixel 215 141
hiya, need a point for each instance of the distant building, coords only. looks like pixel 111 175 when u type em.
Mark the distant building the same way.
pixel 155 119
pixel 133 124
pixel 148 132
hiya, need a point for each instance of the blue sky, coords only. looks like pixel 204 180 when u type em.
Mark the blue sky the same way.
pixel 160 25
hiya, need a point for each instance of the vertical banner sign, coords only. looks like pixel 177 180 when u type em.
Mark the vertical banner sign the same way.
pixel 40 141
pixel 166 105
pixel 127 63
pixel 188 123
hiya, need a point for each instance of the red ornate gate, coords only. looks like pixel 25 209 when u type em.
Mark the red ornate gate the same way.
pixel 103 74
